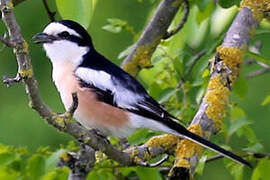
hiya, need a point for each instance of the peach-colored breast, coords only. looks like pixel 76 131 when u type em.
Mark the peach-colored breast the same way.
pixel 90 112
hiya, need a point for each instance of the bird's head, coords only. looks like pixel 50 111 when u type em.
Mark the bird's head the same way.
pixel 64 40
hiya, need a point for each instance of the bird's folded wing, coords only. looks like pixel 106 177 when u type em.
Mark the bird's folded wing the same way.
pixel 122 91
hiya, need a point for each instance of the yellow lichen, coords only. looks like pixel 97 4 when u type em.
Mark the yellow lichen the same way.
pixel 216 97
pixel 258 7
pixel 61 120
pixel 100 156
pixel 23 49
pixel 232 57
pixel 65 157
pixel 7 7
pixel 186 148
pixel 141 59
pixel 182 163
pixel 26 73
pixel 134 156
pixel 167 141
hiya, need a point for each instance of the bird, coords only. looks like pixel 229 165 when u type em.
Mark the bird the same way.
pixel 110 100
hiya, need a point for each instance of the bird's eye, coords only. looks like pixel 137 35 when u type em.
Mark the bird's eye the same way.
pixel 64 34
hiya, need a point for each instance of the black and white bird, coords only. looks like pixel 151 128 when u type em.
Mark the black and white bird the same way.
pixel 110 99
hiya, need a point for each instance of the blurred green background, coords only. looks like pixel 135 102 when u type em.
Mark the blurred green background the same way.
pixel 21 126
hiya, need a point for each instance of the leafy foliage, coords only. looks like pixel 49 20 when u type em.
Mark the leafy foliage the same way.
pixel 18 163
pixel 77 10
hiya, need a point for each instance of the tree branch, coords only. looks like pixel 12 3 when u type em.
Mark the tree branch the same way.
pixel 79 163
pixel 182 22
pixel 140 57
pixel 224 71
pixel 50 13
pixel 5 40
pixel 258 73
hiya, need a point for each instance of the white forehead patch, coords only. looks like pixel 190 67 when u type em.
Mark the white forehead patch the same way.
pixel 55 28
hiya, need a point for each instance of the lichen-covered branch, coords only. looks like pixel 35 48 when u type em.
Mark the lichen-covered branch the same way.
pixel 224 71
pixel 79 163
pixel 140 57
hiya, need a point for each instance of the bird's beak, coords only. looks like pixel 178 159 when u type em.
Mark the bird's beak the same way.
pixel 42 38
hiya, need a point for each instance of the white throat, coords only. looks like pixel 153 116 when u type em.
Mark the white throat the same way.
pixel 63 51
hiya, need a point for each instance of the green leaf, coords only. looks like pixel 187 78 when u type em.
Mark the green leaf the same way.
pixel 179 67
pixel 206 73
pixel 7 158
pixel 199 95
pixel 117 22
pixel 228 4
pixel 237 124
pixel 113 29
pixel 237 112
pixel 36 166
pixel 53 160
pixel 148 173
pixel 126 51
pixel 249 133
pixel 154 90
pixel 262 170
pixel 202 4
pixel 201 164
pixel 236 170
pixel 256 148
pixel 259 58
pixel 115 25
pixel 166 94
pixel 80 11
pixel 241 87
pixel 8 174
pixel 140 136
pixel 266 100
pixel 57 174
pixel 202 15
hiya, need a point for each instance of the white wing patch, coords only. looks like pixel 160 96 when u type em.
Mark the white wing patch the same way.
pixel 99 79
pixel 123 97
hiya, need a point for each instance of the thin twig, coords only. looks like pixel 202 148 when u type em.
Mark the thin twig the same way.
pixel 9 81
pixel 213 158
pixel 50 13
pixel 155 164
pixel 194 60
pixel 256 49
pixel 258 73
pixel 182 22
pixel 5 40
pixel 16 2
pixel 74 105
pixel 255 155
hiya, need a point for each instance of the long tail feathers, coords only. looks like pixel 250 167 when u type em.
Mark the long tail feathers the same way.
pixel 199 140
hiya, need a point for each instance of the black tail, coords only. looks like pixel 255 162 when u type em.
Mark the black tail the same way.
pixel 198 139
pixel 182 131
